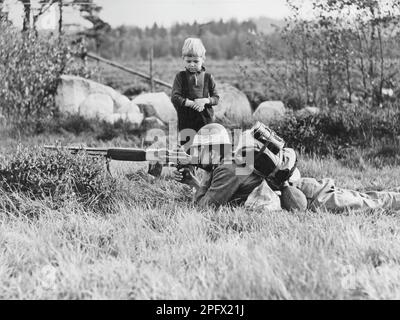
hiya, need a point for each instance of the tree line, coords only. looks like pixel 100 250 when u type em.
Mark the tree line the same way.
pixel 223 39
pixel 342 51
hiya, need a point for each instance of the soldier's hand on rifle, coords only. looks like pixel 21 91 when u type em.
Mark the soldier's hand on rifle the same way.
pixel 185 176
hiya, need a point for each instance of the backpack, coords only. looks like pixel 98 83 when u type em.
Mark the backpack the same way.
pixel 272 161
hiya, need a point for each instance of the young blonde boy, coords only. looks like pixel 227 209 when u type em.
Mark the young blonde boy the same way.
pixel 194 92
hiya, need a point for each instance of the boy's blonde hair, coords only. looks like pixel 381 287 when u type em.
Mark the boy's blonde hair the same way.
pixel 193 47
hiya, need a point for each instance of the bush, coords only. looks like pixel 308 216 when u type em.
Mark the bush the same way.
pixel 335 130
pixel 58 176
pixel 30 68
pixel 74 123
pixel 135 90
pixel 95 128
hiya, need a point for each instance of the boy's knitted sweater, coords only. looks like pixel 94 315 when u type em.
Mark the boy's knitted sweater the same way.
pixel 194 86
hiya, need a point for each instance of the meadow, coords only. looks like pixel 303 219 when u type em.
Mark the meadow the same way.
pixel 166 69
pixel 153 243
pixel 69 230
pixel 242 73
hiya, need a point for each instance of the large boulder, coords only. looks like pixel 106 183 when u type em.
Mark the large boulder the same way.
pixel 131 112
pixel 120 102
pixel 76 95
pixel 134 119
pixel 160 103
pixel 128 107
pixel 71 92
pixel 97 105
pixel 233 104
pixel 269 111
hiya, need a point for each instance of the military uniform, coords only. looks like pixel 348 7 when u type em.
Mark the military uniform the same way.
pixel 324 194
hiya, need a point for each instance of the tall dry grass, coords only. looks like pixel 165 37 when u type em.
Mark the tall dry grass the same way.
pixel 155 244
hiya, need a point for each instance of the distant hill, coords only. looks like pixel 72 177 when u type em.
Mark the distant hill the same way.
pixel 267 25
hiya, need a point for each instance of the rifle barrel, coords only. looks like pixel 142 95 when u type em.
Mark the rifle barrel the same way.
pixel 133 154
pixel 119 154
pixel 76 149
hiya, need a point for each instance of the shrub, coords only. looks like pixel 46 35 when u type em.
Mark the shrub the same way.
pixel 135 90
pixel 30 68
pixel 294 102
pixel 75 124
pixel 101 130
pixel 334 130
pixel 94 128
pixel 58 176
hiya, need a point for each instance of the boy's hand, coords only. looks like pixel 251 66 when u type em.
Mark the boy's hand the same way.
pixel 198 107
pixel 194 105
pixel 202 102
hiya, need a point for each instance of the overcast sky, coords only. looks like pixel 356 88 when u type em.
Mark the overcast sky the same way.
pixel 166 12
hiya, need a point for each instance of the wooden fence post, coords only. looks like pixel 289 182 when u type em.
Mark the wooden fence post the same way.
pixel 131 71
pixel 151 56
pixel 60 20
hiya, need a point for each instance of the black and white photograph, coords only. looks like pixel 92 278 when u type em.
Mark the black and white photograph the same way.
pixel 197 154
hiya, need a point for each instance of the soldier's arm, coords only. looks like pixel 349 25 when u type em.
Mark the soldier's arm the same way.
pixel 223 185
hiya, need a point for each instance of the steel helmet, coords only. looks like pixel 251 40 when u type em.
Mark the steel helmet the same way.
pixel 211 135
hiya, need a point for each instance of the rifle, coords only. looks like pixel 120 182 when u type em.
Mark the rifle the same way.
pixel 157 157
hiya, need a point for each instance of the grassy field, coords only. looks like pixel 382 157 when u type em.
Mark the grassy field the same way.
pixel 165 69
pixel 241 73
pixel 155 244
